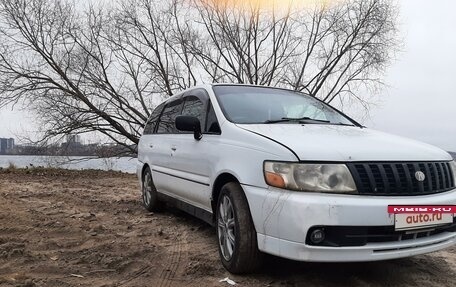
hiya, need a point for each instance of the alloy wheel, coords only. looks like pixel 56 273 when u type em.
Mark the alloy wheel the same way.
pixel 147 189
pixel 226 228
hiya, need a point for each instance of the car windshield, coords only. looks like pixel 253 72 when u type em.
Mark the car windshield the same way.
pixel 256 105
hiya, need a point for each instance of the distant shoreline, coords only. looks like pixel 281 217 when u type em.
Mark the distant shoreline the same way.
pixel 124 164
pixel 51 171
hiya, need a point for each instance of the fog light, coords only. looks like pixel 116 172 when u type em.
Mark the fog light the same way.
pixel 317 236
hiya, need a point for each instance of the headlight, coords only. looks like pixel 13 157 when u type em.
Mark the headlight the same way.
pixel 453 167
pixel 309 177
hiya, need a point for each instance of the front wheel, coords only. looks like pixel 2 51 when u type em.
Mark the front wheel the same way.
pixel 237 238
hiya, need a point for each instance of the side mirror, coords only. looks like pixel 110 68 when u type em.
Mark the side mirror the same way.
pixel 189 124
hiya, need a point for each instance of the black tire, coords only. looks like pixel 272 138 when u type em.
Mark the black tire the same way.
pixel 245 256
pixel 149 192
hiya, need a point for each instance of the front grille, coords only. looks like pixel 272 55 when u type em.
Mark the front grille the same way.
pixel 398 178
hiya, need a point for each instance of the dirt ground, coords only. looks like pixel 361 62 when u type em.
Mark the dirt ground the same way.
pixel 63 228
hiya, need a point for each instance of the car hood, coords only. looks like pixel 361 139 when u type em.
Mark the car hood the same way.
pixel 315 142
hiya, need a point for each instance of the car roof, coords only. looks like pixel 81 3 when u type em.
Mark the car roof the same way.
pixel 210 85
pixel 256 86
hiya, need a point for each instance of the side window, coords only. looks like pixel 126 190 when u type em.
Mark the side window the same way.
pixel 152 121
pixel 212 125
pixel 166 123
pixel 194 107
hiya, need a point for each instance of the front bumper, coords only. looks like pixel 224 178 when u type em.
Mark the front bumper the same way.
pixel 283 218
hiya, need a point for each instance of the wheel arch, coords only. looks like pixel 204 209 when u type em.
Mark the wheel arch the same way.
pixel 145 166
pixel 219 182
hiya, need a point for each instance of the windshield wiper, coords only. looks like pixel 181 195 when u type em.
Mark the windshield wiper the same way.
pixel 299 120
pixel 343 124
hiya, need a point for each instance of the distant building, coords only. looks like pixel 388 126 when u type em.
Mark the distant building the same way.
pixel 73 145
pixel 72 139
pixel 6 145
pixel 3 144
pixel 10 144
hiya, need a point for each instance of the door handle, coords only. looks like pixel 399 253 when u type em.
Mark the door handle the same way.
pixel 173 148
pixel 151 145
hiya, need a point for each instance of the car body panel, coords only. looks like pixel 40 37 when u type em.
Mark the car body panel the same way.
pixel 282 219
pixel 371 252
pixel 320 142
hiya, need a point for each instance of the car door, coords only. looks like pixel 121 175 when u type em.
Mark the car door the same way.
pixel 162 145
pixel 193 160
pixel 149 137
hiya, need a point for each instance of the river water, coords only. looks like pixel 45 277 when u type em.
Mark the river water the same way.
pixel 124 164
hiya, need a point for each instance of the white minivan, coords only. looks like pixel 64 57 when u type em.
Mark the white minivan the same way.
pixel 280 172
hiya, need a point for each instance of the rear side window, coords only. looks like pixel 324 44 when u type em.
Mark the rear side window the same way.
pixel 166 124
pixel 153 119
pixel 194 107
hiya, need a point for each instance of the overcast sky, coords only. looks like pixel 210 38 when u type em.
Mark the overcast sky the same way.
pixel 420 101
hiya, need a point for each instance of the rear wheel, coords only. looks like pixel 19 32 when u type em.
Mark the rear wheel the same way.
pixel 237 238
pixel 149 192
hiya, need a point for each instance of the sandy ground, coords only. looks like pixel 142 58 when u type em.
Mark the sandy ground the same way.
pixel 62 228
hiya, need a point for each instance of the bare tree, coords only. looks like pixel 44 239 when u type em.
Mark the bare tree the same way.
pixel 102 70
pixel 86 71
pixel 326 51
pixel 241 42
pixel 59 65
